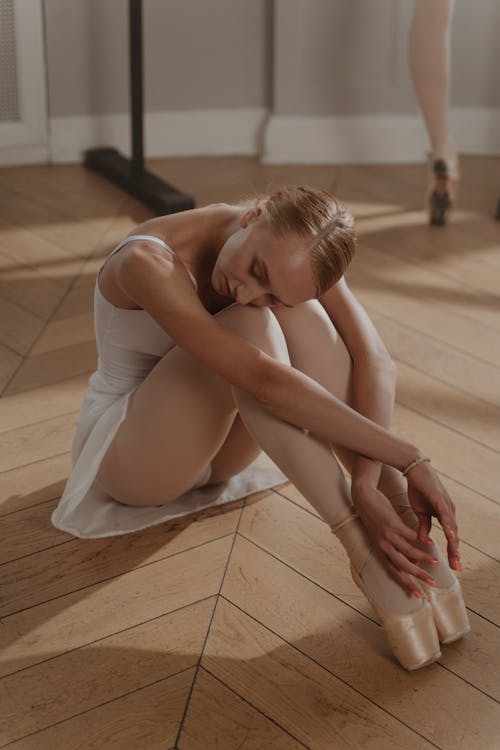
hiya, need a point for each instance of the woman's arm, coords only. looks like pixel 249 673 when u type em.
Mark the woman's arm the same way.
pixel 161 286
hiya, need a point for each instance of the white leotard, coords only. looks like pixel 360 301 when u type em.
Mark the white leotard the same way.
pixel 129 344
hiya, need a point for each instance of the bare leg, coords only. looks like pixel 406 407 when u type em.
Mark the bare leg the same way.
pixel 182 421
pixel 325 358
pixel 309 463
pixel 429 58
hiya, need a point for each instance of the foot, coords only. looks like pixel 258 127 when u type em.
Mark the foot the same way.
pixel 407 621
pixel 442 189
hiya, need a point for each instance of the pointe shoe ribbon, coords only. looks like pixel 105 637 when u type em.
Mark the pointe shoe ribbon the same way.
pixel 412 637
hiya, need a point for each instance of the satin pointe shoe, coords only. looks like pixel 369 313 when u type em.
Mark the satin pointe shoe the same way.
pixel 412 636
pixel 448 607
pixel 442 190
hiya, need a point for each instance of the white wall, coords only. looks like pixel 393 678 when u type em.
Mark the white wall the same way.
pixel 332 74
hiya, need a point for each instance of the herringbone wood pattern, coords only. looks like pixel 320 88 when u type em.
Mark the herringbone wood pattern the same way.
pixel 240 627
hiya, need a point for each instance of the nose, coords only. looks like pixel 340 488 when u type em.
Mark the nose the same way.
pixel 245 294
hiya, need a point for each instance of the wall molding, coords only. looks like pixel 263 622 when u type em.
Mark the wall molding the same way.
pixel 372 139
pixel 278 139
pixel 189 133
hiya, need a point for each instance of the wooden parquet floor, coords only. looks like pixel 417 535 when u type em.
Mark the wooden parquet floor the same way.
pixel 239 627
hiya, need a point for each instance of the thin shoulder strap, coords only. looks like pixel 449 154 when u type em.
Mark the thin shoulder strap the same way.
pixel 153 239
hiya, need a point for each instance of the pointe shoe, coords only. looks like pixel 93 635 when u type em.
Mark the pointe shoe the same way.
pixel 442 190
pixel 448 607
pixel 412 636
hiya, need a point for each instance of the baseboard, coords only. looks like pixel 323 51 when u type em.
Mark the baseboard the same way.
pixel 372 139
pixel 276 139
pixel 190 133
pixel 12 155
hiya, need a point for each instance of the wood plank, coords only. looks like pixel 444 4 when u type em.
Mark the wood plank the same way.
pixel 18 328
pixel 9 362
pixel 25 248
pixel 308 701
pixel 26 287
pixel 73 192
pixel 442 309
pixel 147 718
pixel 102 671
pixel 64 333
pixel 472 464
pixel 37 441
pixel 302 543
pixel 440 361
pixel 218 717
pixel 453 408
pixel 446 259
pixel 54 366
pixel 30 485
pixel 76 236
pixel 80 563
pixel 348 647
pixel 39 404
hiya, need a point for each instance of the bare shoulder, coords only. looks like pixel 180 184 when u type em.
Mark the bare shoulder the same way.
pixel 164 226
pixel 160 284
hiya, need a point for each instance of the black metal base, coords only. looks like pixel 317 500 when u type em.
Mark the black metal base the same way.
pixel 497 217
pixel 149 189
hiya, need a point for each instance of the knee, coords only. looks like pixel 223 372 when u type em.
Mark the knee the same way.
pixel 258 326
pixel 309 322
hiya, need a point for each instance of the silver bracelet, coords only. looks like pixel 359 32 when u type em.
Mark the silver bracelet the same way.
pixel 414 463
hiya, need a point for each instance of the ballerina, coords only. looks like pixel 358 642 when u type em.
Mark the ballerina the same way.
pixel 218 334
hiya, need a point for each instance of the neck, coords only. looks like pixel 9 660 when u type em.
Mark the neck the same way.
pixel 199 241
pixel 225 223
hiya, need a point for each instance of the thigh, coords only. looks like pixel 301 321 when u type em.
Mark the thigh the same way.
pixel 179 420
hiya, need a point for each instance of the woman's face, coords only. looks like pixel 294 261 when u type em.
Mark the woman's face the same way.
pixel 256 268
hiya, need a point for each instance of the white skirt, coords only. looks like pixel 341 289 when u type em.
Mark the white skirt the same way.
pixel 87 511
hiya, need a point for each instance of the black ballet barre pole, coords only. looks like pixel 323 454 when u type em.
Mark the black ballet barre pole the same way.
pixel 129 174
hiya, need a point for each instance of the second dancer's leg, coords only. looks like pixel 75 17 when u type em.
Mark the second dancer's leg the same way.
pixel 429 60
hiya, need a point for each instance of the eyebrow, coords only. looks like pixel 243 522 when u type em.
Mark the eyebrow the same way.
pixel 266 277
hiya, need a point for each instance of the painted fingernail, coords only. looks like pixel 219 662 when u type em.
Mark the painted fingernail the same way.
pixel 457 553
pixel 458 566
pixel 431 581
pixel 429 542
pixel 417 594
pixel 435 561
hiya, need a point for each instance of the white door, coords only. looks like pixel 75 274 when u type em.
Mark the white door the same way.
pixel 23 105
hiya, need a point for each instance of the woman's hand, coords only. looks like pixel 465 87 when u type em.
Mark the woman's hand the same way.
pixel 428 497
pixel 390 536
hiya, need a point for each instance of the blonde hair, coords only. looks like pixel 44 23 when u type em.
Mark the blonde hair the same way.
pixel 317 214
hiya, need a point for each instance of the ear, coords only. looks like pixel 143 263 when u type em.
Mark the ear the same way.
pixel 251 215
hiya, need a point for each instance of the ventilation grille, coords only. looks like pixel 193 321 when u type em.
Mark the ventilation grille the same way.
pixel 9 107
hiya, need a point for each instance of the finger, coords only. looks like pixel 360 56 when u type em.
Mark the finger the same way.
pixel 403 579
pixel 449 524
pixel 424 526
pixel 402 562
pixel 445 511
pixel 454 553
pixel 416 555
